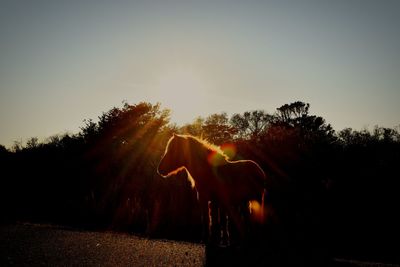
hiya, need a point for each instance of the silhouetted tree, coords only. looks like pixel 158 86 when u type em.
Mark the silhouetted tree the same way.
pixel 291 113
pixel 3 150
pixel 17 146
pixel 366 192
pixel 251 125
pixel 195 128
pixel 32 142
pixel 217 130
pixel 125 151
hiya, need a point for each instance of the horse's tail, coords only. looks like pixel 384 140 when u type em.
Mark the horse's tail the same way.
pixel 264 198
pixel 263 209
pixel 258 207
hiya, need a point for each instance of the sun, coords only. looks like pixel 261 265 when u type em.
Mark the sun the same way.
pixel 183 90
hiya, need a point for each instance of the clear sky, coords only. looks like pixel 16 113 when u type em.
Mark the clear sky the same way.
pixel 65 61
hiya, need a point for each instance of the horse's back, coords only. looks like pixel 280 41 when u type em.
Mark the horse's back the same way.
pixel 247 168
pixel 243 178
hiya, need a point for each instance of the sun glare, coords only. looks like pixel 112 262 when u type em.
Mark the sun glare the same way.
pixel 183 90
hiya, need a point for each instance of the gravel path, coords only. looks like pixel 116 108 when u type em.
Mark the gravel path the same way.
pixel 38 245
pixel 46 245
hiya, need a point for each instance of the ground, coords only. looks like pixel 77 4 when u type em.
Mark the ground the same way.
pixel 47 245
pixel 39 245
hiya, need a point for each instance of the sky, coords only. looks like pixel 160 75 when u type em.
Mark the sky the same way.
pixel 65 61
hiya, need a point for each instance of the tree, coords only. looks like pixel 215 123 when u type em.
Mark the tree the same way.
pixel 291 113
pixel 89 131
pixel 3 149
pixel 217 130
pixel 32 143
pixel 17 146
pixel 252 124
pixel 310 127
pixel 195 128
pixel 122 152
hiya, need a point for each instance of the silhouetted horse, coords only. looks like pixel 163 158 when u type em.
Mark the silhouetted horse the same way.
pixel 218 181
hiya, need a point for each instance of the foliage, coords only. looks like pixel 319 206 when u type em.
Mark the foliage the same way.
pixel 322 184
pixel 251 125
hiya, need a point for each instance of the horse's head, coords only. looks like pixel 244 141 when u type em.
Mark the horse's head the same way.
pixel 174 158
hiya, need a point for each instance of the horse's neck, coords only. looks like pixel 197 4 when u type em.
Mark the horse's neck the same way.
pixel 199 167
pixel 196 166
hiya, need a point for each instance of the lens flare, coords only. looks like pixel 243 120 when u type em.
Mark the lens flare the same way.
pixel 216 158
pixel 256 211
pixel 229 150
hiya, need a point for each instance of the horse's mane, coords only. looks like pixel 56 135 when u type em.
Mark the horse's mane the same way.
pixel 199 144
pixel 204 144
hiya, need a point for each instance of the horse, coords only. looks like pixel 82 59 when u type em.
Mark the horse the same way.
pixel 222 185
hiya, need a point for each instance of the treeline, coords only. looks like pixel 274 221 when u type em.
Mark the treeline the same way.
pixel 331 190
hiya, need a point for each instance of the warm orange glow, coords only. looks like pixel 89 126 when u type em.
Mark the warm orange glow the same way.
pixel 175 172
pixel 229 150
pixel 219 156
pixel 256 211
pixel 216 159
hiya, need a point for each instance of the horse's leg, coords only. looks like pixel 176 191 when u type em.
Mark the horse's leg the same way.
pixel 224 226
pixel 246 222
pixel 234 225
pixel 231 229
pixel 215 234
pixel 205 220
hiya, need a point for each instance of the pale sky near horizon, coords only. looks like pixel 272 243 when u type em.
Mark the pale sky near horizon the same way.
pixel 65 61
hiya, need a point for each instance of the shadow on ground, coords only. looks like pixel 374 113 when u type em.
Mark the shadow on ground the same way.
pixel 259 256
pixel 253 256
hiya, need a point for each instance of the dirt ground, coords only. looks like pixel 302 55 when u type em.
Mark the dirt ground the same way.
pixel 47 245
pixel 43 245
